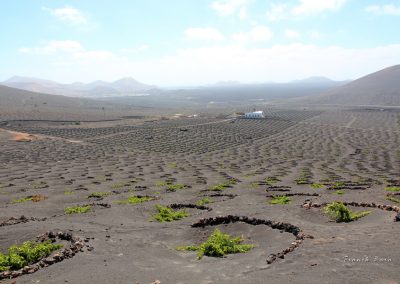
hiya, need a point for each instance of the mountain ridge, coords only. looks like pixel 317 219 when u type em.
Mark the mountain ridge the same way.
pixel 97 88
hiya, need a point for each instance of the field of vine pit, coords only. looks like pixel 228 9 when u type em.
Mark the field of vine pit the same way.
pixel 96 187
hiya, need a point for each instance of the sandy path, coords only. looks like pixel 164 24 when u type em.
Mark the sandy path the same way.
pixel 348 125
pixel 26 137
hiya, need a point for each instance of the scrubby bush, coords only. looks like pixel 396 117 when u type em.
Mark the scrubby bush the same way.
pixel 26 254
pixel 219 245
pixel 77 209
pixel 98 194
pixel 203 201
pixel 222 186
pixel 135 199
pixel 393 188
pixel 167 214
pixel 340 213
pixel 280 199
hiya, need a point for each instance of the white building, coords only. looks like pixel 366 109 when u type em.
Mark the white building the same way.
pixel 254 114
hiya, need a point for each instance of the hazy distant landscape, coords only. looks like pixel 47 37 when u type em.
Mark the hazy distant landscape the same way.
pixel 248 153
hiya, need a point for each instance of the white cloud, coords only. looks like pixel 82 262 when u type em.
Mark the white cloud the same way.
pixel 208 34
pixel 292 34
pixel 55 46
pixel 142 47
pixel 277 12
pixel 70 61
pixel 256 34
pixel 308 7
pixel 66 50
pixel 315 34
pixel 388 9
pixel 229 7
pixel 68 14
pixel 303 8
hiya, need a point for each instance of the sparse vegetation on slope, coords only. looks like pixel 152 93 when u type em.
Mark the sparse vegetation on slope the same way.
pixel 135 199
pixel 222 186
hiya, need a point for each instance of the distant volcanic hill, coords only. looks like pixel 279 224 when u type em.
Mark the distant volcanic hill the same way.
pixel 381 88
pixel 124 86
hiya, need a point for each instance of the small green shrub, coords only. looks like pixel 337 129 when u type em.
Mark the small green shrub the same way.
pixel 339 192
pixel 338 184
pixel 98 194
pixel 22 200
pixel 161 183
pixel 128 183
pixel 219 245
pixel 393 199
pixel 203 201
pixel 222 186
pixel 135 199
pixel 77 209
pixel 317 185
pixel 118 185
pixel 26 254
pixel 175 187
pixel 68 192
pixel 280 199
pixel 340 213
pixel 166 214
pixel 272 180
pixel 393 188
pixel 173 165
pixel 254 185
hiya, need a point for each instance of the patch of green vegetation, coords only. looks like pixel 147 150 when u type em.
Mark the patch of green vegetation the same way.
pixel 339 192
pixel 317 185
pixel 304 178
pixel 204 201
pixel 393 199
pixel 393 188
pixel 254 185
pixel 39 185
pixel 272 180
pixel 280 199
pixel 77 209
pixel 166 214
pixel 161 183
pixel 175 187
pixel 135 199
pixel 173 165
pixel 222 186
pixel 249 175
pixel 340 213
pixel 119 185
pixel 98 194
pixel 338 184
pixel 68 192
pixel 157 193
pixel 21 200
pixel 25 254
pixel 219 245
pixel 101 178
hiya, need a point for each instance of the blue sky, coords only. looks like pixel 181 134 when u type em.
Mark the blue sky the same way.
pixel 190 42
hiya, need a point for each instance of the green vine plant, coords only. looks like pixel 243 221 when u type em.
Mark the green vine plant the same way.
pixel 28 253
pixel 219 245
pixel 340 213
